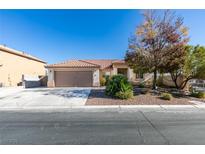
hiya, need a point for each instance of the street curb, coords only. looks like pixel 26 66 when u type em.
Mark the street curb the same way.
pixel 139 106
pixel 105 107
pixel 199 106
pixel 96 107
pixel 178 107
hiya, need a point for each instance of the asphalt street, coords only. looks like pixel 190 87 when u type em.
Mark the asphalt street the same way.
pixel 98 126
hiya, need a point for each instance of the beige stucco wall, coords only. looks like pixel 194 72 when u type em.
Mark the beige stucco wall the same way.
pixel 97 74
pixel 130 74
pixel 96 78
pixel 50 82
pixel 51 76
pixel 13 67
pixel 105 72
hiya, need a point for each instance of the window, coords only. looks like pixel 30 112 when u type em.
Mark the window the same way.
pixel 122 71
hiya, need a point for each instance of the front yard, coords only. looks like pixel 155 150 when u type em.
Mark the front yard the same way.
pixel 98 97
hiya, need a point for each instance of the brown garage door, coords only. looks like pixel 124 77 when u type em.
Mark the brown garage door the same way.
pixel 73 78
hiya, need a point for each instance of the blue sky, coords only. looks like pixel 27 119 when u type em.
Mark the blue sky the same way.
pixel 57 35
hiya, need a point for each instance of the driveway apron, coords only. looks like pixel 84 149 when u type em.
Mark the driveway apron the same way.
pixel 45 97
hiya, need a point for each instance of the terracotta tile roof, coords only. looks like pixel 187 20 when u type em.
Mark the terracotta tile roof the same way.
pixel 105 63
pixel 74 64
pixel 20 53
pixel 102 64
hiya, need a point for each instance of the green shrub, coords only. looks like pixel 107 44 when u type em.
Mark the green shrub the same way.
pixel 107 78
pixel 141 85
pixel 201 94
pixel 102 81
pixel 166 96
pixel 198 94
pixel 117 86
pixel 194 94
pixel 124 95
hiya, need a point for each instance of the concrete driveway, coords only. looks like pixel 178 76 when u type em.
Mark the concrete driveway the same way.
pixel 43 97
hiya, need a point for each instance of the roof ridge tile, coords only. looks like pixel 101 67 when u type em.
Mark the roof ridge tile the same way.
pixel 89 62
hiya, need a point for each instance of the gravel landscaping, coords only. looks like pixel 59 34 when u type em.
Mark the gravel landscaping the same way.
pixel 98 97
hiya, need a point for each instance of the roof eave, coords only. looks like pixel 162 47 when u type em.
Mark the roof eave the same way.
pixel 71 67
pixel 25 56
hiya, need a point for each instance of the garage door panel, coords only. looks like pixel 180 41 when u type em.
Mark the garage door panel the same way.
pixel 84 79
pixel 73 78
pixel 64 79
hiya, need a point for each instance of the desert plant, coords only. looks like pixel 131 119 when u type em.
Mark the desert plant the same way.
pixel 198 94
pixel 124 94
pixel 107 78
pixel 166 96
pixel 117 84
pixel 201 94
pixel 102 81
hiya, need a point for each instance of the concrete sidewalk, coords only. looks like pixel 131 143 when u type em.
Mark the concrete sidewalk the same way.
pixel 120 108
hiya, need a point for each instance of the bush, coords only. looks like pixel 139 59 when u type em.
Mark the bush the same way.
pixel 198 94
pixel 201 94
pixel 141 85
pixel 107 78
pixel 102 81
pixel 124 95
pixel 166 96
pixel 118 86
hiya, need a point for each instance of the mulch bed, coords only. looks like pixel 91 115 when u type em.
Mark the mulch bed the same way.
pixel 98 97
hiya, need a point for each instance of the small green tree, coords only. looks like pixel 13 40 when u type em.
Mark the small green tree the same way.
pixel 192 68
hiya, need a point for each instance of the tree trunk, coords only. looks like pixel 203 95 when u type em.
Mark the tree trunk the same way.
pixel 154 87
pixel 183 85
pixel 176 84
pixel 174 79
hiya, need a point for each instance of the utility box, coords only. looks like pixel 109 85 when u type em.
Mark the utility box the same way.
pixel 31 81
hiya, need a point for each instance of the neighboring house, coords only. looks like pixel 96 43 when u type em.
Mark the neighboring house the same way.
pixel 197 84
pixel 85 73
pixel 14 64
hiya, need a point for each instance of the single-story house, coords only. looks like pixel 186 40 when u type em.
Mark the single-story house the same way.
pixel 14 64
pixel 85 73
